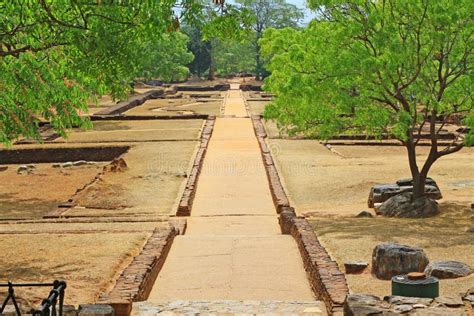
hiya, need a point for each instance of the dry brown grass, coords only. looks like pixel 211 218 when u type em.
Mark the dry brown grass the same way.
pixel 331 189
pixel 149 186
pixel 136 131
pixel 35 194
pixel 88 262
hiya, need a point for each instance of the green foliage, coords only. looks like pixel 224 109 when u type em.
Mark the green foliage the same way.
pixel 374 67
pixel 232 57
pixel 200 48
pixel 264 14
pixel 167 59
pixel 55 55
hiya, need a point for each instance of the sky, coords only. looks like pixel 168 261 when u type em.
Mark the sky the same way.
pixel 302 4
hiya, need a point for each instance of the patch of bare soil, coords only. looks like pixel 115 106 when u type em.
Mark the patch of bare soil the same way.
pixel 89 263
pixel 331 187
pixel 41 191
pixel 442 237
pixel 177 107
pixel 149 185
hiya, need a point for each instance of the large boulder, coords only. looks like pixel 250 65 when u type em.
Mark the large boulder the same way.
pixel 390 259
pixel 448 269
pixel 403 205
pixel 380 193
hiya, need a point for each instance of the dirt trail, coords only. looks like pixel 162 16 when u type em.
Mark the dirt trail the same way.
pixel 233 248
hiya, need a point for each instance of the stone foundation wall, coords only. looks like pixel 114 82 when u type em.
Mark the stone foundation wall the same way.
pixel 132 102
pixel 136 281
pixel 60 154
pixel 186 202
pixel 217 87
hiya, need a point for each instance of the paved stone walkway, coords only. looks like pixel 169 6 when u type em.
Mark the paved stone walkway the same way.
pixel 233 248
pixel 233 307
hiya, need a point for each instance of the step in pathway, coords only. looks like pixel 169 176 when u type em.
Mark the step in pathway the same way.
pixel 233 256
pixel 219 307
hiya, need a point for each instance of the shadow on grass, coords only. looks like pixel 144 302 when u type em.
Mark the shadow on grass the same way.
pixel 13 207
pixel 445 230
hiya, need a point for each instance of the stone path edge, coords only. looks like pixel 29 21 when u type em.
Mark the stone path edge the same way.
pixel 186 202
pixel 132 102
pixel 137 279
pixel 325 277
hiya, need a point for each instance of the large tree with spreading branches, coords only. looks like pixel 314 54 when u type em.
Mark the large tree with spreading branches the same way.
pixel 55 55
pixel 402 68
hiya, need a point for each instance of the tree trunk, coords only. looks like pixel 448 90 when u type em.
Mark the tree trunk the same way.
pixel 418 182
pixel 258 75
pixel 212 66
pixel 258 59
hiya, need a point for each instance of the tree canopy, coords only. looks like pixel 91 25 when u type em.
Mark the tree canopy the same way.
pixel 398 67
pixel 55 55
pixel 264 14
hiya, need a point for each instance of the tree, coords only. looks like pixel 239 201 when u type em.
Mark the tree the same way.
pixel 269 14
pixel 215 23
pixel 167 59
pixel 399 67
pixel 232 56
pixel 201 50
pixel 55 55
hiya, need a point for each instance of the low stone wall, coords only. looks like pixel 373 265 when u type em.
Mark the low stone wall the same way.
pixel 324 275
pixel 366 304
pixel 60 154
pixel 132 102
pixel 136 281
pixel 280 199
pixel 217 87
pixel 186 202
pixel 122 117
pixel 250 87
pixel 326 280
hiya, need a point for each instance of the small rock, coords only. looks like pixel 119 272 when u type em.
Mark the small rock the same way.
pixel 3 168
pixel 390 259
pixel 57 165
pixel 409 182
pixel 79 163
pixel 448 269
pixel 31 166
pixel 95 310
pixel 470 229
pixel 69 310
pixel 419 306
pixel 469 298
pixel 117 165
pixel 405 300
pixel 67 164
pixel 362 304
pixel 364 214
pixel 403 308
pixel 22 169
pixel 450 301
pixel 355 267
